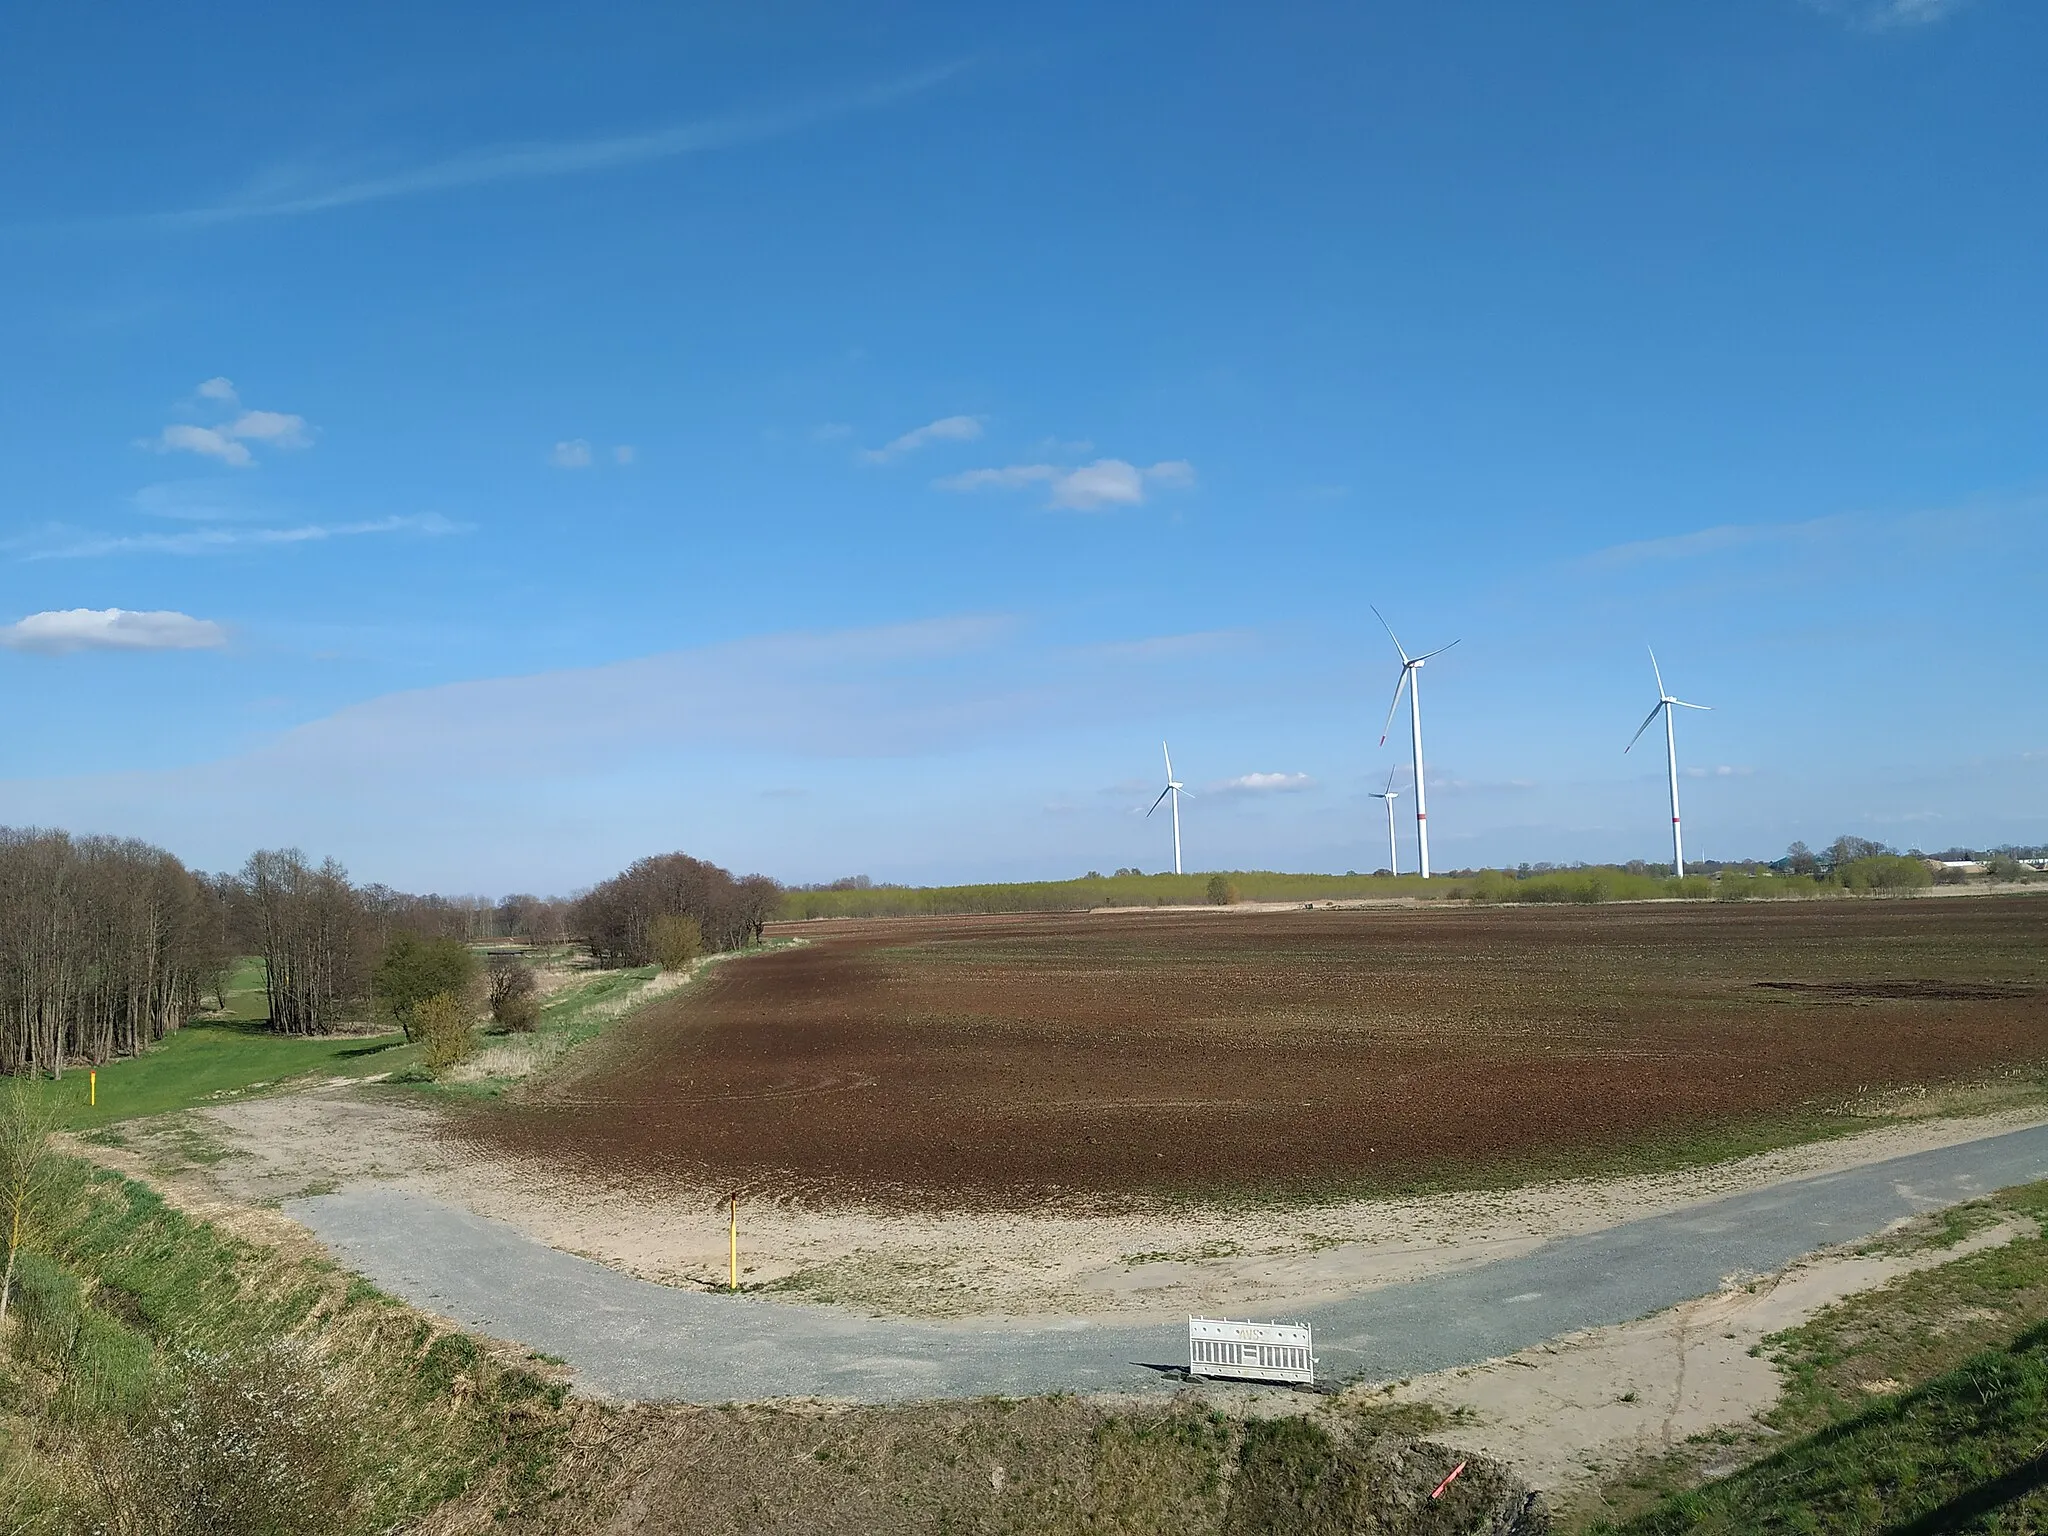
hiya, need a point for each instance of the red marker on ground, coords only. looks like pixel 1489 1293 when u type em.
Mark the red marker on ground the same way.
pixel 1440 1487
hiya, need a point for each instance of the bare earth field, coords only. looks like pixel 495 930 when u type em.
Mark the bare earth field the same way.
pixel 1003 1063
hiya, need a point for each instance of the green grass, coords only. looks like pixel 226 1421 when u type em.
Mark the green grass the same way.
pixel 247 999
pixel 205 1063
pixel 131 1287
pixel 1572 885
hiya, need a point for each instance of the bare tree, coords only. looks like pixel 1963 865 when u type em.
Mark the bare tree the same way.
pixel 316 936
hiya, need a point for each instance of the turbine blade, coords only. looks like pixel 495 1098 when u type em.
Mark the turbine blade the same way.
pixel 1390 632
pixel 1389 725
pixel 1390 777
pixel 1656 672
pixel 1162 795
pixel 1683 705
pixel 1437 652
pixel 1169 760
pixel 1641 728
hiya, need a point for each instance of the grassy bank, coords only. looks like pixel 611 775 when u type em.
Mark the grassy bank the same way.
pixel 149 1353
pixel 1918 1407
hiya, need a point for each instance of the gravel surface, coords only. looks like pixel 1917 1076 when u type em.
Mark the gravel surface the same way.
pixel 631 1338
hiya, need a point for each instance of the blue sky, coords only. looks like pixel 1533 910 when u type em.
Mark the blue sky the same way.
pixel 839 439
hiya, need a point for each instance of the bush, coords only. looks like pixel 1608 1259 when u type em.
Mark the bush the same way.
pixel 415 969
pixel 1885 872
pixel 1222 891
pixel 515 993
pixel 444 1029
pixel 674 940
pixel 251 1443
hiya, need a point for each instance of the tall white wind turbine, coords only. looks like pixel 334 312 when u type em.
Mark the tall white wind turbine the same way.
pixel 1175 788
pixel 1390 795
pixel 1411 679
pixel 1666 703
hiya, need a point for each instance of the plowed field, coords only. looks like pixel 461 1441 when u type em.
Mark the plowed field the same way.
pixel 1003 1059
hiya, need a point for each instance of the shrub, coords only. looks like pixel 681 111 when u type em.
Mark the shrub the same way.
pixel 674 940
pixel 1222 891
pixel 515 993
pixel 444 1029
pixel 415 969
pixel 1885 872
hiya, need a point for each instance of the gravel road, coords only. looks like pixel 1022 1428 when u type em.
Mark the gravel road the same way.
pixel 630 1338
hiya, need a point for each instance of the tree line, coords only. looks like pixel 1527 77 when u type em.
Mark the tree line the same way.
pixel 107 944
pixel 622 919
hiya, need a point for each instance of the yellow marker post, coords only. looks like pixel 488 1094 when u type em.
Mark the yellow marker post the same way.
pixel 733 1244
pixel 92 1087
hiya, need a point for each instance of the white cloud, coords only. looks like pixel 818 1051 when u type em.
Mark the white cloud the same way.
pixel 947 429
pixel 1724 771
pixel 111 629
pixel 214 443
pixel 228 441
pixel 831 432
pixel 574 454
pixel 217 540
pixel 280 429
pixel 1262 784
pixel 1105 483
pixel 623 454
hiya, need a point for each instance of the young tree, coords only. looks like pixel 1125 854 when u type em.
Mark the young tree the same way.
pixel 445 1030
pixel 515 993
pixel 26 1121
pixel 415 969
pixel 674 940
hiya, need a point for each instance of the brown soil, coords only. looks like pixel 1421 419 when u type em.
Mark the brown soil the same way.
pixel 997 1060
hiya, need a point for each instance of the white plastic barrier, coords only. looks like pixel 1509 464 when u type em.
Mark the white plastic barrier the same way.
pixel 1252 1351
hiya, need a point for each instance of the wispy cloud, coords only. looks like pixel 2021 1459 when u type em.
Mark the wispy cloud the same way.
pixel 219 540
pixel 1724 771
pixel 540 160
pixel 111 629
pixel 947 429
pixel 573 454
pixel 1104 483
pixel 1713 541
pixel 1887 15
pixel 228 441
pixel 1262 784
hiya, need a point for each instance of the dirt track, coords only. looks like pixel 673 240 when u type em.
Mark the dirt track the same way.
pixel 997 1060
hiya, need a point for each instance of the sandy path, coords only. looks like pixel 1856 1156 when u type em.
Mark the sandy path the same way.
pixel 631 1338
pixel 1151 1262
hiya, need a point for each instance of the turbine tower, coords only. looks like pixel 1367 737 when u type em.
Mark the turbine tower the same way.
pixel 1411 679
pixel 1666 703
pixel 1175 788
pixel 1390 795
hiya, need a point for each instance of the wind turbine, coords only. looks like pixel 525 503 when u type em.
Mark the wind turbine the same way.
pixel 1390 795
pixel 1411 679
pixel 1174 788
pixel 1665 702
